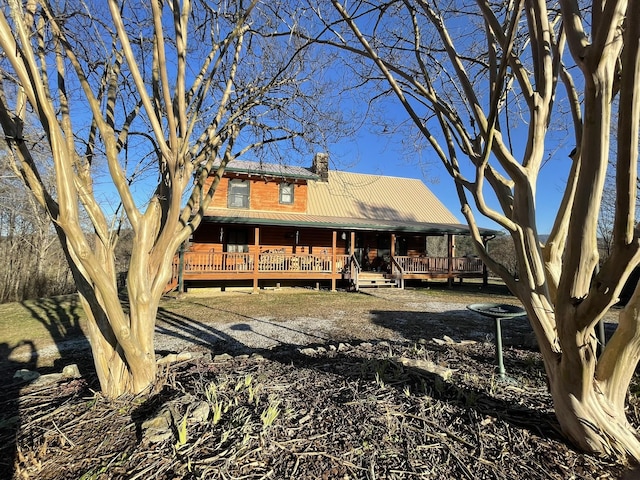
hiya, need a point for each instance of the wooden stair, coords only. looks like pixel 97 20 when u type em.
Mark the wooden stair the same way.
pixel 172 285
pixel 375 279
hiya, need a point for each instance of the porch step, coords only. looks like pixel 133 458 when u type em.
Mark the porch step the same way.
pixel 172 285
pixel 374 279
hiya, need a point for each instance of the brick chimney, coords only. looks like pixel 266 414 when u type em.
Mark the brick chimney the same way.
pixel 320 166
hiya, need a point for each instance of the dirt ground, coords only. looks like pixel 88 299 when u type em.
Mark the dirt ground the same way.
pixel 392 385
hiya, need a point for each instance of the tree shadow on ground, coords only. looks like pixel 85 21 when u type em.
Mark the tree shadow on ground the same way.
pixel 228 337
pixel 457 324
pixel 59 315
pixel 377 366
pixel 9 405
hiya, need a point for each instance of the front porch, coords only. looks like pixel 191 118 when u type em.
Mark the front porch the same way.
pixel 276 265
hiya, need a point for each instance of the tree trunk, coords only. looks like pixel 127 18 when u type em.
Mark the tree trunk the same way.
pixel 589 419
pixel 589 393
pixel 122 366
pixel 122 334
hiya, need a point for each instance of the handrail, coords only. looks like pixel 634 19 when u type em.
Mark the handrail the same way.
pixel 400 280
pixel 354 268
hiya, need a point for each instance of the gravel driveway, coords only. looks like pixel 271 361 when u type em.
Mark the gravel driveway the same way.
pixel 409 315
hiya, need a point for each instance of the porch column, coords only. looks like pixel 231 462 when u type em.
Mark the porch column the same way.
pixel 450 250
pixel 393 252
pixel 256 258
pixel 334 242
pixel 352 243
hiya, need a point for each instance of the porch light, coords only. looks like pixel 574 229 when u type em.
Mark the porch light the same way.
pixel 297 236
pixel 343 236
pixel 221 234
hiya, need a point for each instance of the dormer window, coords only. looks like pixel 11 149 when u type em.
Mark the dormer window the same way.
pixel 286 193
pixel 238 196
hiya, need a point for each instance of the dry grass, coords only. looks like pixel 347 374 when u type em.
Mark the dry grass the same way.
pixel 344 408
pixel 40 321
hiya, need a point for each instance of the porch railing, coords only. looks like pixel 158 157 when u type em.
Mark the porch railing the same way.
pixel 439 265
pixel 212 262
pixel 243 262
pixel 354 271
pixel 398 272
pixel 206 262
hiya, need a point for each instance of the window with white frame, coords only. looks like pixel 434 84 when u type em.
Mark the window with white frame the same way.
pixel 238 195
pixel 286 193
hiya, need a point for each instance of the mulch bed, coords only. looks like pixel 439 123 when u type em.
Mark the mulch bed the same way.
pixel 332 411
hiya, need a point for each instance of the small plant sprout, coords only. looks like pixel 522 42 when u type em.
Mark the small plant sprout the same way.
pixel 270 414
pixel 182 432
pixel 217 412
pixel 239 385
pixel 211 392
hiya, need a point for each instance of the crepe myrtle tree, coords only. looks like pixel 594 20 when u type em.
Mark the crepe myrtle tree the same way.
pixel 465 73
pixel 140 101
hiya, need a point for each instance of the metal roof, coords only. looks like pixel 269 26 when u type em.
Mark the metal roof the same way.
pixel 355 201
pixel 269 169
pixel 376 197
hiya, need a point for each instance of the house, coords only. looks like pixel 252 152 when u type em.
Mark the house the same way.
pixel 270 224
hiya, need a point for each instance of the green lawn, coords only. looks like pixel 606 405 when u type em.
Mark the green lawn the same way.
pixel 45 321
pixel 40 321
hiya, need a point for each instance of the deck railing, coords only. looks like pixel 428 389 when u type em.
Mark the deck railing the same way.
pixel 243 262
pixel 398 272
pixel 222 262
pixel 440 265
pixel 206 262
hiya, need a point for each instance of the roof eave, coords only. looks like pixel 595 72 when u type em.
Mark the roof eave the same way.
pixel 423 228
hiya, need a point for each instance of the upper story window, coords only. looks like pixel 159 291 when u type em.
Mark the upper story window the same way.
pixel 286 193
pixel 238 196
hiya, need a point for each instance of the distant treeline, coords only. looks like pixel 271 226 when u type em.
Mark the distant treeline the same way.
pixel 32 268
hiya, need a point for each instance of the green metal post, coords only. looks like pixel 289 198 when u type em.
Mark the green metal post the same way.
pixel 499 358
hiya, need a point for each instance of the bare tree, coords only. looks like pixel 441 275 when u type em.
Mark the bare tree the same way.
pixel 607 214
pixel 465 73
pixel 142 97
pixel 28 244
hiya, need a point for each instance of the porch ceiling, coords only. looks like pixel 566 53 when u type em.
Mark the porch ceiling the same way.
pixel 257 218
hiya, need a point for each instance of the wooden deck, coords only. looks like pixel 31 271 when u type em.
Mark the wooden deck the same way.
pixel 274 265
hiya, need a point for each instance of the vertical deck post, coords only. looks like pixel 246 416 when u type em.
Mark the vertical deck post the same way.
pixel 392 252
pixel 352 249
pixel 450 250
pixel 181 268
pixel 334 243
pixel 256 258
